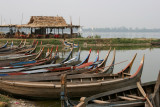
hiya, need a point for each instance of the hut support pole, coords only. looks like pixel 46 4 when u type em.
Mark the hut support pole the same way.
pixel 54 30
pixel 62 31
pixel 31 30
pixel 71 31
pixel 63 90
pixel 58 30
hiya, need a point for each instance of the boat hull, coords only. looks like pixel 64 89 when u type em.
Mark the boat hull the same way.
pixel 44 90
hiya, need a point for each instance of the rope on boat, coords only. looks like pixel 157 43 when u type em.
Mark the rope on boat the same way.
pixel 114 64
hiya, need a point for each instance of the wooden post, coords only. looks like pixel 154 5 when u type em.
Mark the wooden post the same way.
pixel 63 90
pixel 31 30
pixel 71 27
pixel 71 31
pixel 54 30
pixel 62 31
pixel 58 30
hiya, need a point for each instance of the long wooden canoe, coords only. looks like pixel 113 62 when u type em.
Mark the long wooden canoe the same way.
pixel 77 74
pixel 37 67
pixel 128 96
pixel 7 49
pixel 23 57
pixel 4 46
pixel 69 44
pixel 74 61
pixel 21 65
pixel 86 59
pixel 50 90
pixel 13 50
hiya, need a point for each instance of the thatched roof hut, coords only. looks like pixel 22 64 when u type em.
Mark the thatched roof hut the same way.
pixel 45 24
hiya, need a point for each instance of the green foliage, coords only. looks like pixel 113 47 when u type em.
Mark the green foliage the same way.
pixel 128 41
pixel 97 36
pixel 81 41
pixel 4 98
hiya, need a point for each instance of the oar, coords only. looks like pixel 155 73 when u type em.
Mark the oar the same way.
pixel 143 93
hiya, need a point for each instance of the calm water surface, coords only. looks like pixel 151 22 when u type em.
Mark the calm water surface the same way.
pixel 123 34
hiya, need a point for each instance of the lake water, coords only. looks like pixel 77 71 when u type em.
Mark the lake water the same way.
pixel 123 34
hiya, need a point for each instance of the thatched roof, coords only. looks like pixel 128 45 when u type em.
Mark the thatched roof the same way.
pixel 46 21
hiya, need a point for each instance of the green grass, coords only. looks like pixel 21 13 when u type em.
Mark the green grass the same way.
pixel 4 98
pixel 129 41
pixel 81 41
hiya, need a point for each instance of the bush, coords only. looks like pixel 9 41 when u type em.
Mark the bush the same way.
pixel 97 36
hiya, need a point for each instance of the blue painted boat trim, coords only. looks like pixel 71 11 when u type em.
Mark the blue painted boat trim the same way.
pixel 22 63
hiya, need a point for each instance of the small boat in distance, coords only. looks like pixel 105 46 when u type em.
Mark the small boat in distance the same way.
pixel 69 44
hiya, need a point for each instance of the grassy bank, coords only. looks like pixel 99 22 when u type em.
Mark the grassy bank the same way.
pixel 89 41
pixel 4 100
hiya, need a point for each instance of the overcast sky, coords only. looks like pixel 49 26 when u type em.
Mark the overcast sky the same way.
pixel 92 13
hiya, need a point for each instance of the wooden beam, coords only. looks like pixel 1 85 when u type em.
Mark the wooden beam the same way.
pixel 126 98
pixel 100 101
pixel 136 97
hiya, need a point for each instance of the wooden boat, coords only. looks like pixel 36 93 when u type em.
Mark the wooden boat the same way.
pixel 67 58
pixel 35 69
pixel 74 61
pixel 109 69
pixel 4 46
pixel 49 55
pixel 20 44
pixel 42 67
pixel 69 44
pixel 86 87
pixel 30 57
pixel 10 50
pixel 96 61
pixel 23 57
pixel 86 59
pixel 19 48
pixel 75 75
pixel 34 62
pixel 77 67
pixel 7 49
pixel 128 96
pixel 28 50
